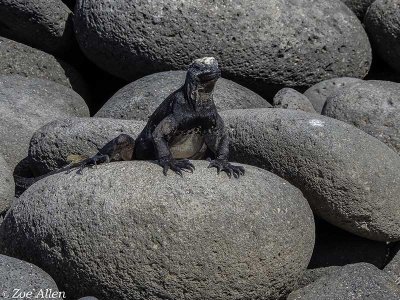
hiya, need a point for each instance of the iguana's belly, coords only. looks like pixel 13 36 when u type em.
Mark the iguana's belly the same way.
pixel 188 145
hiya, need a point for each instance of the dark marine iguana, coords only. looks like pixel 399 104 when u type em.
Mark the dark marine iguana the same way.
pixel 185 126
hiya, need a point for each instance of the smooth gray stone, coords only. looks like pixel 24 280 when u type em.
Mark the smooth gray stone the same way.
pixel 19 59
pixel 53 143
pixel 350 179
pixel 137 234
pixel 26 104
pixel 258 42
pixel 43 24
pixel 288 98
pixel 351 282
pixel 372 106
pixel 318 93
pixel 382 25
pixel 23 276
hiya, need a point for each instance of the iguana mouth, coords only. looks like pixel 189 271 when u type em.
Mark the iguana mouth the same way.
pixel 209 76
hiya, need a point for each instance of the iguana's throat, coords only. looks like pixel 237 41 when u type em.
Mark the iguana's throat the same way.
pixel 201 94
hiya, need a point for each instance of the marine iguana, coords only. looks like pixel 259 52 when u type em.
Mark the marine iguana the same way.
pixel 185 126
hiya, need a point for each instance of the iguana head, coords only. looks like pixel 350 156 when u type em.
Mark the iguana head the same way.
pixel 201 78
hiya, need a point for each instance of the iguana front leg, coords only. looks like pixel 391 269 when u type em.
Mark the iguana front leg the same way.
pixel 161 135
pixel 218 142
pixel 120 148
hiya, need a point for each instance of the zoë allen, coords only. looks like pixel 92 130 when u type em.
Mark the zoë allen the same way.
pixel 39 294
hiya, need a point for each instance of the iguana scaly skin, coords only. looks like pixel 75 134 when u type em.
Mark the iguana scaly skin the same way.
pixel 185 126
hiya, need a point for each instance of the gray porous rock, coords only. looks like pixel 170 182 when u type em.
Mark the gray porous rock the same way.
pixel 52 144
pixel 125 231
pixel 291 99
pixel 312 275
pixel 382 24
pixel 318 93
pixel 337 247
pixel 372 106
pixel 350 179
pixel 139 99
pixel 359 7
pixel 26 104
pixel 19 59
pixel 6 185
pixel 17 274
pixel 351 282
pixel 266 46
pixel 43 24
pixel 393 267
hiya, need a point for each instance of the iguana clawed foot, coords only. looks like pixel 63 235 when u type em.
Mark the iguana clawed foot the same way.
pixel 93 161
pixel 176 165
pixel 225 166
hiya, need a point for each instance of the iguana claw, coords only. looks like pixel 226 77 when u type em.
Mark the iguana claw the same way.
pixel 225 166
pixel 176 165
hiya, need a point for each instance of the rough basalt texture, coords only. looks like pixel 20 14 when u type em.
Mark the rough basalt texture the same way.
pixel 318 93
pixel 393 267
pixel 18 274
pixel 350 179
pixel 43 24
pixel 139 99
pixel 291 99
pixel 382 24
pixel 51 145
pixel 19 59
pixel 26 104
pixel 267 45
pixel 312 275
pixel 372 106
pixel 6 185
pixel 125 231
pixel 359 7
pixel 351 282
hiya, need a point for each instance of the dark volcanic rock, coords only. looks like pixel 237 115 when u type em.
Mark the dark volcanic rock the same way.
pixel 125 231
pixel 18 274
pixel 359 7
pixel 43 24
pixel 350 179
pixel 372 106
pixel 291 99
pixel 267 45
pixel 19 59
pixel 140 99
pixel 318 93
pixel 6 185
pixel 51 145
pixel 382 24
pixel 26 104
pixel 312 275
pixel 352 282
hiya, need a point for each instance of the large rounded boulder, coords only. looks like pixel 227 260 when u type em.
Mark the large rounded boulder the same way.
pixel 19 59
pixel 126 231
pixel 382 24
pixel 7 186
pixel 26 104
pixel 256 41
pixel 372 106
pixel 22 280
pixel 43 24
pixel 318 93
pixel 350 179
pixel 139 99
pixel 52 146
